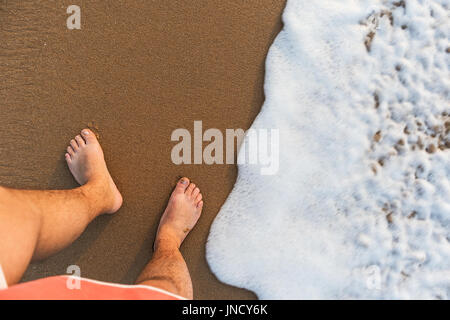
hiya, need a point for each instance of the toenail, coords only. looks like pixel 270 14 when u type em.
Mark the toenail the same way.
pixel 183 181
pixel 86 132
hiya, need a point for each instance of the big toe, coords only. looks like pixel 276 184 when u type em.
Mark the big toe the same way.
pixel 88 136
pixel 182 184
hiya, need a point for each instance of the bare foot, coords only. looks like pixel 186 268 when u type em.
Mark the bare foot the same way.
pixel 181 215
pixel 87 163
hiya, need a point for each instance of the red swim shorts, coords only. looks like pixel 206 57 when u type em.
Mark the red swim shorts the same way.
pixel 63 288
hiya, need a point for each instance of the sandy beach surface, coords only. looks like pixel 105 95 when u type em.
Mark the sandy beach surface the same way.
pixel 136 71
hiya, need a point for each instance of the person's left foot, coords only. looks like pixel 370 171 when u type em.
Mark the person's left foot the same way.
pixel 181 215
pixel 87 164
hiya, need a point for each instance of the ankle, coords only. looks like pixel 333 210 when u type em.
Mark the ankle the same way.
pixel 166 241
pixel 93 196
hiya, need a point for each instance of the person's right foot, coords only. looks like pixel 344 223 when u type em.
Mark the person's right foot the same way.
pixel 181 215
pixel 87 164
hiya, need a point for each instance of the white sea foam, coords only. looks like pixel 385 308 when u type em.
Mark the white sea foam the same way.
pixel 360 207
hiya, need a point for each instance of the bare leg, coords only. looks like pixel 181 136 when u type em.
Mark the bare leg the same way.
pixel 167 269
pixel 37 224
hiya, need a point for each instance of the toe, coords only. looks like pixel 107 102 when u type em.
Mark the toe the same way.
pixel 195 193
pixel 68 157
pixel 198 198
pixel 200 205
pixel 182 184
pixel 80 141
pixel 190 189
pixel 74 145
pixel 70 151
pixel 88 136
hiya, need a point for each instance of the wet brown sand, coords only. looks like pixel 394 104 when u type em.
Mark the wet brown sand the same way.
pixel 137 70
